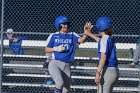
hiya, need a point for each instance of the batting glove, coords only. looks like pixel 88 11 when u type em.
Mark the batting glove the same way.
pixel 59 48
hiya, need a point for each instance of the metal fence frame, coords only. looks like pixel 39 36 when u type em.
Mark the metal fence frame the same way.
pixel 1 50
pixel 1 47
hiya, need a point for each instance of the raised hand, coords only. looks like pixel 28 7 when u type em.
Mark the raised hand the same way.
pixel 87 28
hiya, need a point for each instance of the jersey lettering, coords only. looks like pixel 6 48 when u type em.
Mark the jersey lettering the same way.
pixel 63 40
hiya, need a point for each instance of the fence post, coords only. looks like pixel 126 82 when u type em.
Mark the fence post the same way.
pixel 139 80
pixel 1 47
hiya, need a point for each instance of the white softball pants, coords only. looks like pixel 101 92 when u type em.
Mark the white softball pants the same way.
pixel 61 74
pixel 109 78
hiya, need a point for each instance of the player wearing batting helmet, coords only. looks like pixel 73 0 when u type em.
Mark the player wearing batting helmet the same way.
pixel 107 72
pixel 62 44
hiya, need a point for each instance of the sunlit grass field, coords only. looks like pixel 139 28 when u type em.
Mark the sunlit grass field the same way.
pixel 78 52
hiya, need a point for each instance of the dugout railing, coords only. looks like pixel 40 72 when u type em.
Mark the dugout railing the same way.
pixel 131 77
pixel 28 75
pixel 38 15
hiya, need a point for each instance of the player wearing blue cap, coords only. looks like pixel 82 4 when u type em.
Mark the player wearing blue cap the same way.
pixel 107 73
pixel 62 44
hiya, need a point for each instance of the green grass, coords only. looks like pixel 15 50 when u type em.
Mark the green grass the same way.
pixel 78 53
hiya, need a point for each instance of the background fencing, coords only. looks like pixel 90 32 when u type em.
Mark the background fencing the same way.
pixel 34 19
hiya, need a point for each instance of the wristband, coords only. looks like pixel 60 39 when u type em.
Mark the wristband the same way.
pixel 54 48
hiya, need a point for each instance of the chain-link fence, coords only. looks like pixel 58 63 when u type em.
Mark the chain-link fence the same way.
pixel 33 21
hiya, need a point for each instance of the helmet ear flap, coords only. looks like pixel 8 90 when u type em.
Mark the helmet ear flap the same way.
pixel 60 27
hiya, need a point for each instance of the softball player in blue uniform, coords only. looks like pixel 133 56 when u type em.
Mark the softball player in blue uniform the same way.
pixel 14 42
pixel 107 72
pixel 62 44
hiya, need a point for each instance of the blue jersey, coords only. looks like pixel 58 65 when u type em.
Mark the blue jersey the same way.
pixel 68 40
pixel 107 45
pixel 16 47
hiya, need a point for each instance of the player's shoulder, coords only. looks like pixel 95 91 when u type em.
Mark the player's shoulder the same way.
pixel 53 34
pixel 76 34
pixel 73 33
pixel 105 37
pixel 70 33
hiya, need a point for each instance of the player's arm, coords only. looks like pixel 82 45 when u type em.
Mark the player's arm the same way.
pixel 101 63
pixel 50 45
pixel 103 54
pixel 100 67
pixel 82 39
pixel 16 39
pixel 48 50
pixel 59 48
pixel 96 38
pixel 87 31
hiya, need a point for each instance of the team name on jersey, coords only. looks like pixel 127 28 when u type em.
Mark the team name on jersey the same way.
pixel 63 40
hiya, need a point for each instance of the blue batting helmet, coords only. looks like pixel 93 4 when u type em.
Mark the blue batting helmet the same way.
pixel 60 20
pixel 103 23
